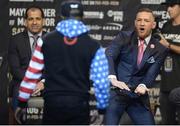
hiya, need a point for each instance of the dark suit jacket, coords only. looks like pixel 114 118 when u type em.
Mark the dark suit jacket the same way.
pixel 122 58
pixel 19 55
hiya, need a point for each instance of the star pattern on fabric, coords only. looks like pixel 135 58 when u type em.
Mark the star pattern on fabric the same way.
pixel 99 74
pixel 71 28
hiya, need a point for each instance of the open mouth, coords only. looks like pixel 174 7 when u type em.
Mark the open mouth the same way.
pixel 141 29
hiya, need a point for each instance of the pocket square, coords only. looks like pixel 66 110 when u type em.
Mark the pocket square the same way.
pixel 151 60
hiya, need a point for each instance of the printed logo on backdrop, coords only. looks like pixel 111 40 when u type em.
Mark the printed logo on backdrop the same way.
pixel 108 37
pixel 94 27
pixel 152 1
pixel 16 20
pixel 113 26
pixel 103 18
pixel 93 15
pixel 154 102
pixel 98 2
pixel 44 0
pixel 99 37
pixel 96 36
pixel 116 15
pixel 21 0
pixel 107 26
pixel 31 0
pixel 174 37
pixel 163 16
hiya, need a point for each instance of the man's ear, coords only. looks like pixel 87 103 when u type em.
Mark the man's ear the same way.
pixel 154 25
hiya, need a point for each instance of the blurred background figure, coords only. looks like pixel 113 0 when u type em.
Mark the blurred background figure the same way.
pixel 170 77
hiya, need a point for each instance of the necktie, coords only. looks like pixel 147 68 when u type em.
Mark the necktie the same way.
pixel 140 52
pixel 35 38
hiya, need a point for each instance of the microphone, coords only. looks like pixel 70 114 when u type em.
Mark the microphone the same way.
pixel 156 34
pixel 157 31
pixel 1 60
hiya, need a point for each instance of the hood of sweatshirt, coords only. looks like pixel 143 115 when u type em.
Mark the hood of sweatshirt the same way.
pixel 71 28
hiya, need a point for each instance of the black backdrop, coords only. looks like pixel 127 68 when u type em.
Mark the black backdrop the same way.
pixel 4 33
pixel 104 17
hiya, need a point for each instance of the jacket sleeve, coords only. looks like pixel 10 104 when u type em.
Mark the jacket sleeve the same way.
pixel 99 74
pixel 14 61
pixel 113 51
pixel 155 69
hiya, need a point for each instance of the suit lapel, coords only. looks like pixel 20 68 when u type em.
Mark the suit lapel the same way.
pixel 27 43
pixel 148 52
pixel 135 49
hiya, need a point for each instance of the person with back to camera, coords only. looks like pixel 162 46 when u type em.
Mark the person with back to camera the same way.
pixel 21 48
pixel 70 59
pixel 135 58
pixel 170 74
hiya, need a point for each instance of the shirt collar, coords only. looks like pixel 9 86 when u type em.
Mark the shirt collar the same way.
pixel 30 34
pixel 147 39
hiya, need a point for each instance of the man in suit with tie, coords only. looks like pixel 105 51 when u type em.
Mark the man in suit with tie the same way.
pixel 21 48
pixel 135 58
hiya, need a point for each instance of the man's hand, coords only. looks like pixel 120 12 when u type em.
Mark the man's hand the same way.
pixel 119 84
pixel 141 89
pixel 39 87
pixel 19 113
pixel 163 41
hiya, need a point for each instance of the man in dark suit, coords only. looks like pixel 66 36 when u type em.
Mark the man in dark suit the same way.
pixel 134 59
pixel 21 48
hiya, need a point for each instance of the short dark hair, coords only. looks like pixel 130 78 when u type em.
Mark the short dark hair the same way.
pixel 34 7
pixel 147 10
pixel 171 2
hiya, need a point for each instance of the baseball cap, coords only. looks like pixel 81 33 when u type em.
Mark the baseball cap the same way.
pixel 171 2
pixel 71 8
